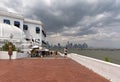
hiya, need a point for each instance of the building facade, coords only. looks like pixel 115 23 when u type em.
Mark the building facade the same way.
pixel 33 30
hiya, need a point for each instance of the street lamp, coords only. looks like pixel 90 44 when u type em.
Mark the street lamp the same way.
pixel 11 36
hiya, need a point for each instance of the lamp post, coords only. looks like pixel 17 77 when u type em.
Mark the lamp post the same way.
pixel 11 36
pixel 31 37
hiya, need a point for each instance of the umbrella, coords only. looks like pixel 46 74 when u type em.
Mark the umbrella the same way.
pixel 46 49
pixel 40 48
pixel 35 47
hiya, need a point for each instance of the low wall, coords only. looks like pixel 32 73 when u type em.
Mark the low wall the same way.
pixel 108 70
pixel 60 54
pixel 16 55
pixel 105 69
pixel 22 55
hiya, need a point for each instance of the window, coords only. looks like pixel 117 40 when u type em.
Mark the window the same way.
pixel 17 23
pixel 38 39
pixel 25 27
pixel 6 21
pixel 37 30
pixel 44 33
pixel 43 42
pixel 27 39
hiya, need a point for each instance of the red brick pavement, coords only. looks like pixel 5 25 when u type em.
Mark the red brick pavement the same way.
pixel 46 70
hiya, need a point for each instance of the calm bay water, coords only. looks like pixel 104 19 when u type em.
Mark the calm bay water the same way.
pixel 112 55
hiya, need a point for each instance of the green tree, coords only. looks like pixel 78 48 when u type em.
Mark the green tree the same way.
pixel 106 59
pixel 5 47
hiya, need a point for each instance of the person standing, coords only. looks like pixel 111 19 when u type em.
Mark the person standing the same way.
pixel 65 52
pixel 10 51
pixel 56 53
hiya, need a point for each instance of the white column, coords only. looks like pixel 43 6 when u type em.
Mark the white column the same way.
pixel 1 30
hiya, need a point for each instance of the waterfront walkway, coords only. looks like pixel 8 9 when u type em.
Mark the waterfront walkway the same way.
pixel 46 70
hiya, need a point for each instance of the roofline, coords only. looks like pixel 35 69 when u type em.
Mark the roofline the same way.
pixel 32 21
pixel 18 16
pixel 11 14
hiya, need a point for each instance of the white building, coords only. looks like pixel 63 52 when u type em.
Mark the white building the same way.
pixel 26 31
pixel 34 30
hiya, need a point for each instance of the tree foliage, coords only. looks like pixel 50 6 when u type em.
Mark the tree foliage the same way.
pixel 5 47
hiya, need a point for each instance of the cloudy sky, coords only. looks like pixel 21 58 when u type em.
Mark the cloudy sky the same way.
pixel 96 22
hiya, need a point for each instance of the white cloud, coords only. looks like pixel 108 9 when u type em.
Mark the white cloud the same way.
pixel 48 2
pixel 92 1
pixel 57 38
pixel 70 31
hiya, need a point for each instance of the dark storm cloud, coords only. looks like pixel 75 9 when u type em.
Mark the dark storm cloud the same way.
pixel 68 13
pixel 94 21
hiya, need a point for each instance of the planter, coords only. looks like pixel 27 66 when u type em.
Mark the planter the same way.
pixel 4 55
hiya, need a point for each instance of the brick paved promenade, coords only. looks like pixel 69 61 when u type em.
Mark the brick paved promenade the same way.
pixel 46 70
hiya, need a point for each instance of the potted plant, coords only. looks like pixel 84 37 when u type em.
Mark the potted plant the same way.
pixel 4 53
